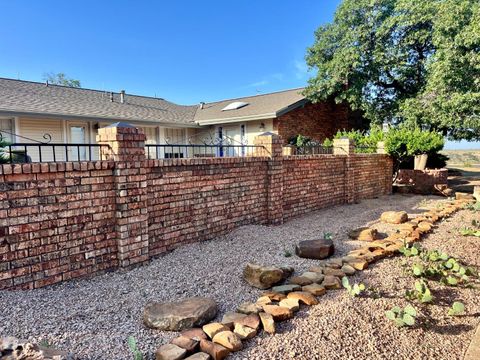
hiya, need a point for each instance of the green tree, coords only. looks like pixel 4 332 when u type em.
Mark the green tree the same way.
pixel 414 61
pixel 61 79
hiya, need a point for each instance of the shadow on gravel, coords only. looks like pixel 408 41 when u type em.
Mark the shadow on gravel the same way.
pixel 450 329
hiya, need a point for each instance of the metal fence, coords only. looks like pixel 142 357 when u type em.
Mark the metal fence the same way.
pixel 46 151
pixel 172 151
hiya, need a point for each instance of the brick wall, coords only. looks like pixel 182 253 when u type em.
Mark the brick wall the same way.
pixel 197 199
pixel 317 121
pixel 56 222
pixel 422 181
pixel 60 221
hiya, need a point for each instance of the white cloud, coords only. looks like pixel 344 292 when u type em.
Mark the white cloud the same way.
pixel 258 83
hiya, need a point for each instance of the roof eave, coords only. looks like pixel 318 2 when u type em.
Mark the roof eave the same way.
pixel 236 119
pixel 45 115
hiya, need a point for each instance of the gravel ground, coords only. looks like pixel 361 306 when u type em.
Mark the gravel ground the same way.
pixel 93 318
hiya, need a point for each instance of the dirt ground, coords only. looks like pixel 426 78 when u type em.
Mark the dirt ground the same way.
pixel 93 318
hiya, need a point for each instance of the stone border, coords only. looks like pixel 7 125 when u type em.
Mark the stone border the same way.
pixel 281 302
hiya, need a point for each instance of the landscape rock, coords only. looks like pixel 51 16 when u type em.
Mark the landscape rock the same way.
pixel 394 217
pixel 274 296
pixel 180 315
pixel 315 249
pixel 263 300
pixel 317 269
pixel 262 277
pixel 314 289
pixel 170 352
pixel 334 272
pixel 304 297
pixel 363 234
pixel 214 328
pixel 194 333
pixel 230 318
pixel 356 262
pixel 287 271
pixel 249 308
pixel 244 332
pixel 186 343
pixel 252 321
pixel 300 280
pixel 334 263
pixel 314 276
pixel 13 348
pixel 279 313
pixel 348 269
pixel 292 304
pixel 268 323
pixel 198 356
pixel 216 351
pixel 464 196
pixel 331 282
pixel 424 227
pixel 229 340
pixel 285 289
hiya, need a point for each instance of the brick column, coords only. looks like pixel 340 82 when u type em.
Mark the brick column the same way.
pixel 127 150
pixel 346 147
pixel 272 144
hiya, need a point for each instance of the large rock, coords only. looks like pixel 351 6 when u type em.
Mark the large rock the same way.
pixel 315 249
pixel 279 313
pixel 262 277
pixel 216 351
pixel 177 316
pixel 394 217
pixel 267 322
pixel 363 234
pixel 213 329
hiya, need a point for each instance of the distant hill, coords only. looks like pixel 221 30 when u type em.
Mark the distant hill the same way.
pixel 464 158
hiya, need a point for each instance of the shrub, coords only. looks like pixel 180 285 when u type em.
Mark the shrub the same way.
pixel 402 317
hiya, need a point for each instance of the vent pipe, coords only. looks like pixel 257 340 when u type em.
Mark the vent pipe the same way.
pixel 122 96
pixel 202 104
pixel 111 96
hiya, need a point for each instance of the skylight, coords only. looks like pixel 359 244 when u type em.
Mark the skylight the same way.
pixel 235 105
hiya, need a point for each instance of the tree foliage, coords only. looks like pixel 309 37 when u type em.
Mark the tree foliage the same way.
pixel 403 61
pixel 61 79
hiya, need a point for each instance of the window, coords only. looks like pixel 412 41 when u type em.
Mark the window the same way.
pixel 235 105
pixel 174 136
pixel 6 124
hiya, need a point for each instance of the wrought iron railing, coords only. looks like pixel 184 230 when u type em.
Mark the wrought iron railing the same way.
pixel 46 151
pixel 169 151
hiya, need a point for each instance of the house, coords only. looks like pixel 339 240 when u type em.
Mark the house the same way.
pixel 41 112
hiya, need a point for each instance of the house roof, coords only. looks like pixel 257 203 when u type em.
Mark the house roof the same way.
pixel 34 98
pixel 265 106
pixel 28 98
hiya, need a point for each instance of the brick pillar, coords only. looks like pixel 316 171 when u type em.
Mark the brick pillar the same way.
pixel 272 143
pixel 127 150
pixel 381 148
pixel 346 147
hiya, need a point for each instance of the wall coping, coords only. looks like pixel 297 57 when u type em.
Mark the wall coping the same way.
pixel 52 167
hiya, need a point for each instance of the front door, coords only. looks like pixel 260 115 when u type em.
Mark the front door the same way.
pixel 78 136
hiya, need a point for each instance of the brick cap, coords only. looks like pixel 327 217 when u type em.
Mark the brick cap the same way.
pixel 121 124
pixel 268 133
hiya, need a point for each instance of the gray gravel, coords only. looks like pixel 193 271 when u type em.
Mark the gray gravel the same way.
pixel 93 318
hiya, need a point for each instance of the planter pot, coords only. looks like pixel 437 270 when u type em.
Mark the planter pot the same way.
pixel 420 162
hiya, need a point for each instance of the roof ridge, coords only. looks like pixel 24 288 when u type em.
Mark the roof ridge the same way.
pixel 89 89
pixel 257 95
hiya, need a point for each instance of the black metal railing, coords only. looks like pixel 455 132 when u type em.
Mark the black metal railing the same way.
pixel 171 151
pixel 45 151
pixel 308 150
pixel 51 152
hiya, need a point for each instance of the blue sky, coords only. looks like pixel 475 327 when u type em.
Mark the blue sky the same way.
pixel 183 51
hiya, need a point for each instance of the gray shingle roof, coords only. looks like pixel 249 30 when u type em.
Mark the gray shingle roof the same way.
pixel 17 96
pixel 27 97
pixel 259 106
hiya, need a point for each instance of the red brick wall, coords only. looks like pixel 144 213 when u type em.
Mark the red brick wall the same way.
pixel 196 199
pixel 317 121
pixel 56 222
pixel 65 220
pixel 422 181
